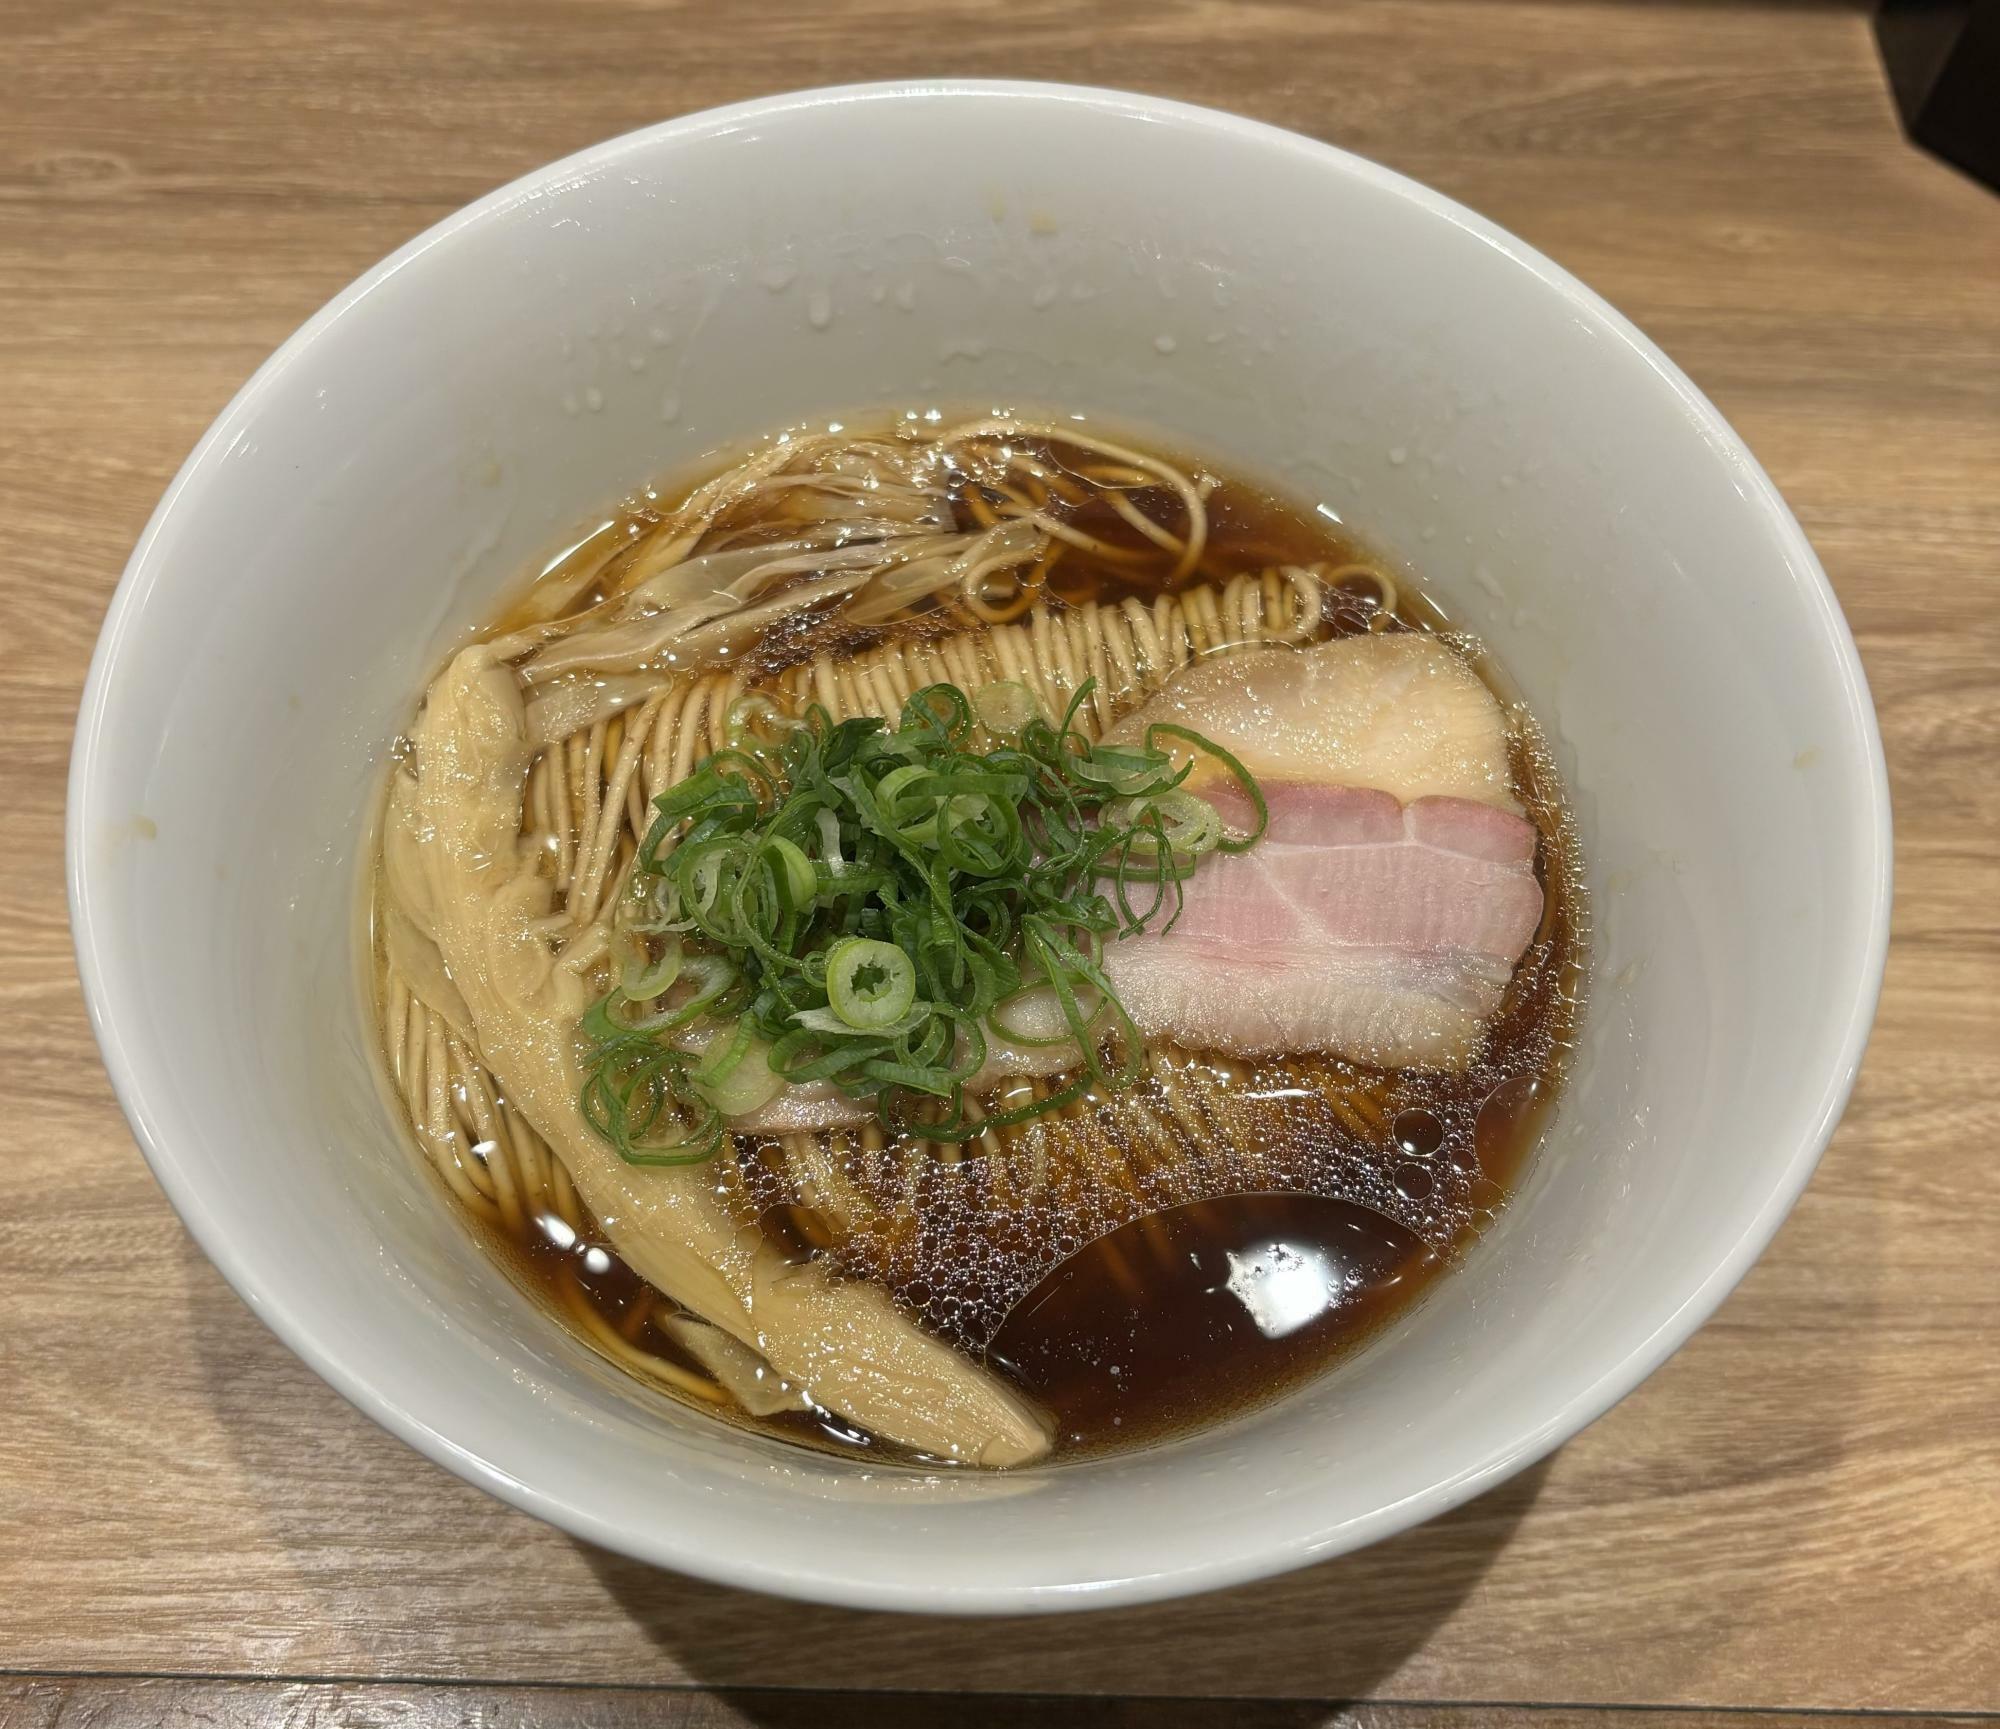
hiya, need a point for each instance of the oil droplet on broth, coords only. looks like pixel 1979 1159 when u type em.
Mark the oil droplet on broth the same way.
pixel 1418 1132
pixel 1499 1142
pixel 1204 1309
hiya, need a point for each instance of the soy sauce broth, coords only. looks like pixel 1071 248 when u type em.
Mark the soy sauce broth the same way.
pixel 1203 1310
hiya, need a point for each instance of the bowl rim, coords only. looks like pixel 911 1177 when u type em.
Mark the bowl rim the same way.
pixel 98 964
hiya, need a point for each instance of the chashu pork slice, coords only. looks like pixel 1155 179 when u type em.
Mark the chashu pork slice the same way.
pixel 1394 891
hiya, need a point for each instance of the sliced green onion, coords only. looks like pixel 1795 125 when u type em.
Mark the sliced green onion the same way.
pixel 869 984
pixel 797 883
pixel 1127 773
pixel 1188 823
pixel 709 982
pixel 1242 776
pixel 642 978
pixel 735 1077
pixel 638 1097
pixel 997 1020
pixel 830 1021
pixel 829 837
pixel 942 709
pixel 1005 706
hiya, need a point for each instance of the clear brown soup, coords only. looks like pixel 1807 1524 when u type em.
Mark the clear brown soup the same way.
pixel 1340 1193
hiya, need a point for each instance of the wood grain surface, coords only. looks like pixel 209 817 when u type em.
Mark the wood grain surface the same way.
pixel 63 1703
pixel 1800 1512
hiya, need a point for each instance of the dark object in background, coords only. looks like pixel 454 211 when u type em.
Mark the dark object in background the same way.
pixel 1943 58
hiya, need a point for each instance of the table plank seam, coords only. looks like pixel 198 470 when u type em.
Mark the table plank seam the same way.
pixel 476 1683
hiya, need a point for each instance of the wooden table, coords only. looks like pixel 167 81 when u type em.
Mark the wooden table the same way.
pixel 1801 1512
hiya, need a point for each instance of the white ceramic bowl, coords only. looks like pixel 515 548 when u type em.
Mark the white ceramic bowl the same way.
pixel 1301 314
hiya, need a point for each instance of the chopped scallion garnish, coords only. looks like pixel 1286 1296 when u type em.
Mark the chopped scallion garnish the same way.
pixel 861 904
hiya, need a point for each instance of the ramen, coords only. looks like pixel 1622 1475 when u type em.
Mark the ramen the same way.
pixel 974 943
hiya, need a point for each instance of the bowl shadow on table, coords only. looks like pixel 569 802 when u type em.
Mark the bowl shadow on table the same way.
pixel 1338 1629
pixel 1342 1630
